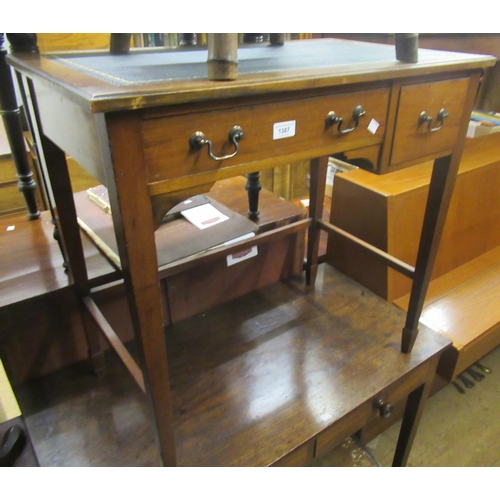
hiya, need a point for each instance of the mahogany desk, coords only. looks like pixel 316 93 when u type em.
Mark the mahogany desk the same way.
pixel 128 120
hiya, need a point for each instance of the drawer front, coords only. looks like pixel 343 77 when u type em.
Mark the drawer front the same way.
pixel 413 139
pixel 342 429
pixel 166 139
pixel 299 457
pixel 368 413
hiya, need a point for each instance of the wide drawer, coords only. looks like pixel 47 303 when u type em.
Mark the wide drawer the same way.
pixel 284 129
pixel 413 138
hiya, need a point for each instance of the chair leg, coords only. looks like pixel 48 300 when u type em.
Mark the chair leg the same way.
pixel 11 115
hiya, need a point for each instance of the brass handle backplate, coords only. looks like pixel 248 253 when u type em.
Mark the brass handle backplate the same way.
pixel 425 118
pixel 198 140
pixel 333 119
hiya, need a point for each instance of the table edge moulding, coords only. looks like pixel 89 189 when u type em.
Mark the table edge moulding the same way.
pixel 153 129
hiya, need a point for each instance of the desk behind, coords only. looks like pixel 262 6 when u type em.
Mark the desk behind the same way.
pixel 303 101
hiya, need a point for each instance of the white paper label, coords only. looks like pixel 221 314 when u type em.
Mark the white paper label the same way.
pixel 248 253
pixel 204 216
pixel 283 129
pixel 373 126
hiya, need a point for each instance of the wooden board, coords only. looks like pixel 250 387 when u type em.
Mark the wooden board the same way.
pixel 463 306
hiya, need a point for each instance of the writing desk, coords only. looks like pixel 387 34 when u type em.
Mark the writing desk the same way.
pixel 130 121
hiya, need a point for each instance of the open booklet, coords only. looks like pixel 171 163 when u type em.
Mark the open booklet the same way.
pixel 176 238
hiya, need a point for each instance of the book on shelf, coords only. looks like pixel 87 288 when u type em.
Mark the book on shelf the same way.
pixel 486 117
pixel 99 195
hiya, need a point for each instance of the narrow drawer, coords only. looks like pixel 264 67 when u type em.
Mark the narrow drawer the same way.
pixel 271 130
pixel 368 413
pixel 413 139
pixel 299 457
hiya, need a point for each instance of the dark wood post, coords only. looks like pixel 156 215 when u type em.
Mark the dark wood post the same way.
pixel 11 115
pixel 27 42
pixel 253 187
pixel 120 43
pixel 188 39
pixel 277 38
pixel 222 56
pixel 406 47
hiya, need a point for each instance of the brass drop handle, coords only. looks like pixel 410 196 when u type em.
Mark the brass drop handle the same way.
pixel 332 119
pixel 384 408
pixel 198 140
pixel 425 118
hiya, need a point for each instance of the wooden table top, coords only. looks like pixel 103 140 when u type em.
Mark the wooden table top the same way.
pixel 287 358
pixel 153 77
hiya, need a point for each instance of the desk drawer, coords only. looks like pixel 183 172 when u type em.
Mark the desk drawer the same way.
pixel 166 139
pixel 413 139
pixel 368 413
pixel 299 457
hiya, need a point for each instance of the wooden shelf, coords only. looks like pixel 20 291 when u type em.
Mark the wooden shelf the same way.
pixel 314 355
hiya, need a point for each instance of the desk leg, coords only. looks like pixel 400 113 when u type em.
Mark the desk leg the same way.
pixel 440 192
pixel 126 174
pixel 65 218
pixel 318 170
pixel 441 187
pixel 62 207
pixel 411 418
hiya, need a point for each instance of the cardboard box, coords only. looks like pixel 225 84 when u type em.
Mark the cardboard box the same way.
pixel 334 167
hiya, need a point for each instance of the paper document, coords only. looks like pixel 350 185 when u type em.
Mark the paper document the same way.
pixel 204 216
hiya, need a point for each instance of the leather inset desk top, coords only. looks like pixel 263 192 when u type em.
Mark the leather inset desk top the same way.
pixel 160 65
pixel 163 65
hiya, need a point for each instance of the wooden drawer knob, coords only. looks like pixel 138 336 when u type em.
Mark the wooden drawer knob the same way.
pixel 385 409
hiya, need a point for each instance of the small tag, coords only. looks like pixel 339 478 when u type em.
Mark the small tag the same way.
pixel 373 126
pixel 248 253
pixel 11 228
pixel 283 129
